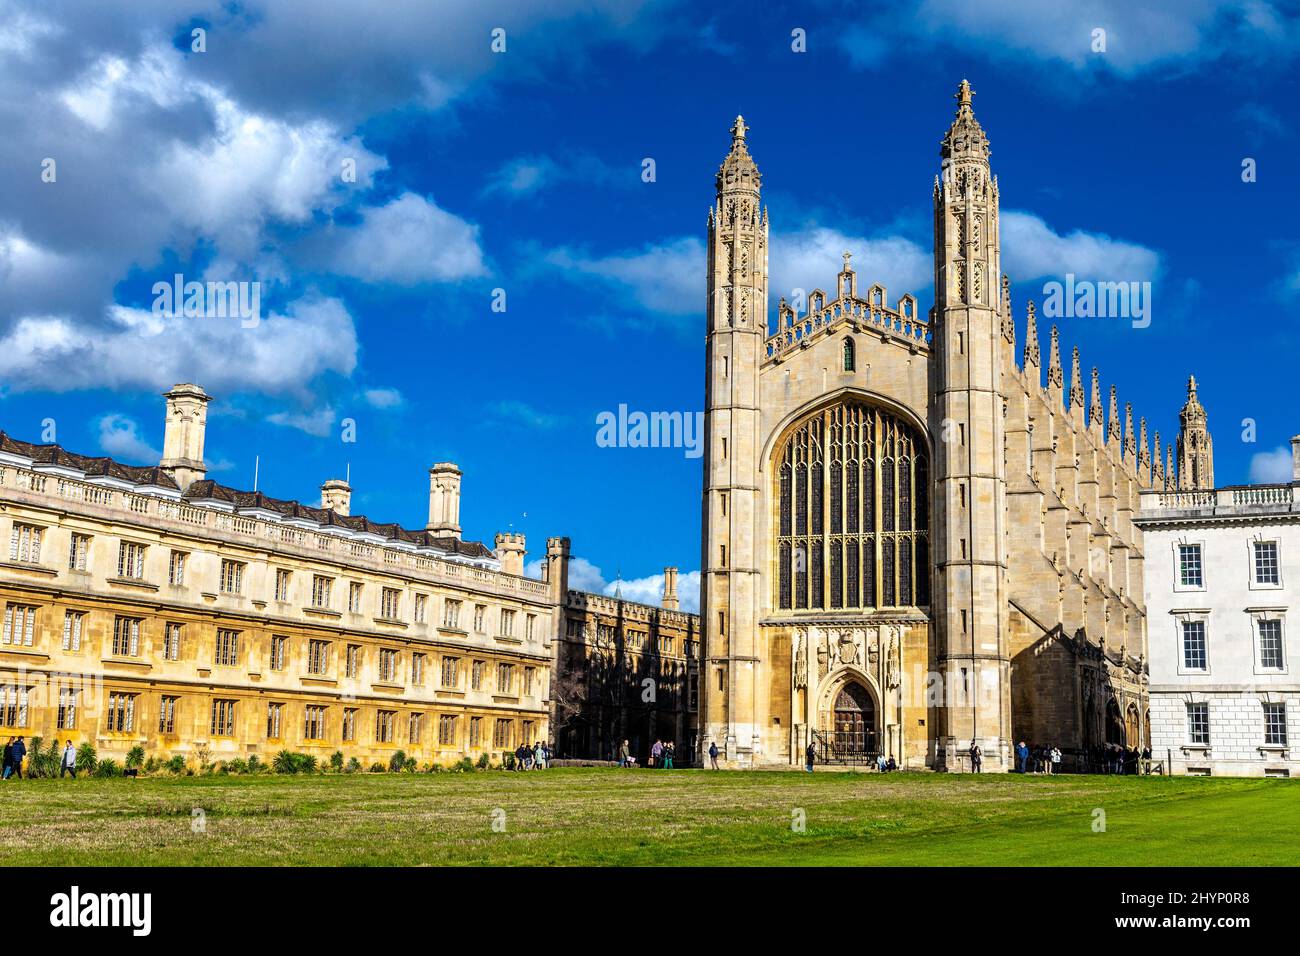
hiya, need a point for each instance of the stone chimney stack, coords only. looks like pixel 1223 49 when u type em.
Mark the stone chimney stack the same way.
pixel 510 552
pixel 444 500
pixel 336 496
pixel 557 568
pixel 1295 458
pixel 187 416
pixel 670 601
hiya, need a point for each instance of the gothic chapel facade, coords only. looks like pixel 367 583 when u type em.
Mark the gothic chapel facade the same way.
pixel 910 542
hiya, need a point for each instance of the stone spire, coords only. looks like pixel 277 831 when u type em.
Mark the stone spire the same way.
pixel 739 171
pixel 1195 449
pixel 965 140
pixel 1158 464
pixel 1144 450
pixel 1130 445
pixel 1008 318
pixel 1115 432
pixel 1095 419
pixel 1170 481
pixel 1032 356
pixel 1055 377
pixel 1076 382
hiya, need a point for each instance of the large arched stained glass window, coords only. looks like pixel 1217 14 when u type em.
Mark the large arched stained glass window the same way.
pixel 852 484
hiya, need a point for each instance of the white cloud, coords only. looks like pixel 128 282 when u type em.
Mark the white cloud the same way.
pixel 812 257
pixel 318 422
pixel 667 277
pixel 1139 36
pixel 522 413
pixel 585 576
pixel 521 176
pixel 119 437
pixel 528 175
pixel 1031 249
pixel 383 398
pixel 410 241
pixel 1271 467
pixel 133 348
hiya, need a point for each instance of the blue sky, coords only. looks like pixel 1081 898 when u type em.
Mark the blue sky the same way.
pixel 522 171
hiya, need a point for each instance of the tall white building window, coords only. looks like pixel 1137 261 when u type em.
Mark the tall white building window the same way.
pixel 171 641
pixel 126 636
pixel 1275 725
pixel 72 626
pixel 321 586
pixel 232 577
pixel 354 597
pixel 1266 564
pixel 1189 566
pixel 176 568
pixel 20 625
pixel 130 560
pixel 78 552
pixel 1194 654
pixel 282 579
pixel 421 608
pixel 507 623
pixel 390 600
pixel 13 706
pixel 25 543
pixel 1198 723
pixel 451 614
pixel 1270 645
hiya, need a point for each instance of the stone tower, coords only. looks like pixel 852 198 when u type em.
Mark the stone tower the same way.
pixel 187 416
pixel 733 689
pixel 1195 450
pixel 970 600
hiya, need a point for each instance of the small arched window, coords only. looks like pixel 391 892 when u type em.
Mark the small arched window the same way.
pixel 848 362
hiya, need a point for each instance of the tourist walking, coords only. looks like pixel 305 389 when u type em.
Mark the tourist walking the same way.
pixel 16 753
pixel 656 753
pixel 810 754
pixel 976 757
pixel 713 755
pixel 669 751
pixel 1022 757
pixel 624 755
pixel 8 755
pixel 69 762
pixel 1056 759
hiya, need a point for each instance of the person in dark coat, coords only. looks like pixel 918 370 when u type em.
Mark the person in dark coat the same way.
pixel 8 755
pixel 810 754
pixel 1022 757
pixel 713 755
pixel 16 754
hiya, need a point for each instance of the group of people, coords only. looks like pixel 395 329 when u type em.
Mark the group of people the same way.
pixel 1039 758
pixel 1112 758
pixel 662 754
pixel 16 751
pixel 810 757
pixel 536 757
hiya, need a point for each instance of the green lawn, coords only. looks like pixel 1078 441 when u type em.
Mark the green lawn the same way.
pixel 648 817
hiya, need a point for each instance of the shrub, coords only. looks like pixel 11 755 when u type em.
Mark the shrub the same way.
pixel 86 760
pixel 286 761
pixel 152 765
pixel 135 757
pixel 354 766
pixel 254 765
pixel 336 761
pixel 107 768
pixel 464 765
pixel 176 764
pixel 397 761
pixel 484 761
pixel 376 767
pixel 234 766
pixel 509 762
pixel 43 762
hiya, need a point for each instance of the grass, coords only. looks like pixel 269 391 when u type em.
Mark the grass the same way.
pixel 645 818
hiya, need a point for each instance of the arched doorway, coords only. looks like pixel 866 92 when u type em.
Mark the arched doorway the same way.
pixel 1146 731
pixel 851 734
pixel 1115 733
pixel 1132 728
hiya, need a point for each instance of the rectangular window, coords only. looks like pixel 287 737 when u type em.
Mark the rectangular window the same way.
pixel 314 726
pixel 232 577
pixel 1275 725
pixel 121 713
pixel 446 729
pixel 451 614
pixel 1194 656
pixel 223 718
pixel 167 715
pixel 390 601
pixel 13 706
pixel 528 731
pixel 321 586
pixel 480 615
pixel 387 664
pixel 1266 566
pixel 529 674
pixel 1198 723
pixel 282 579
pixel 422 609
pixel 130 560
pixel 417 668
pixel 507 623
pixel 349 723
pixel 227 648
pixel 126 636
pixel 73 622
pixel 176 568
pixel 530 626
pixel 279 651
pixel 25 543
pixel 1189 566
pixel 67 718
pixel 171 641
pixel 274 714
pixel 415 728
pixel 505 678
pixel 475 731
pixel 354 660
pixel 451 672
pixel 78 552
pixel 476 675
pixel 384 720
pixel 1270 645
pixel 354 597
pixel 503 736
pixel 318 657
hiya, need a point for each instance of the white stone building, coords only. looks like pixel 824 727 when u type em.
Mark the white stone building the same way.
pixel 1222 587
